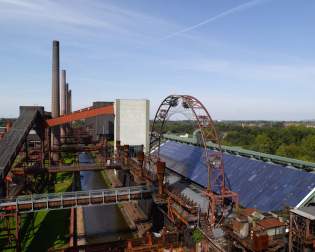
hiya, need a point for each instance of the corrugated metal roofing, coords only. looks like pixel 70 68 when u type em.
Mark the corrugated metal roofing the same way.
pixel 266 186
pixel 246 153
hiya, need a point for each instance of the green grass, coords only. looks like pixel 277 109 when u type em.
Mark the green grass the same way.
pixel 68 161
pixel 4 245
pixel 197 236
pixel 63 182
pixel 49 229
pixel 106 179
pixel 68 158
pixel 39 231
pixel 42 230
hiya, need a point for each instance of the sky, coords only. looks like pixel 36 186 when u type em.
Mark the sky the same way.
pixel 245 60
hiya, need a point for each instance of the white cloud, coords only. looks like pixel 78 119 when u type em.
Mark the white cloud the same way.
pixel 250 71
pixel 96 18
pixel 236 9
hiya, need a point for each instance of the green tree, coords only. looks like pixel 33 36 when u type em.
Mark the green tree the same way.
pixel 197 236
pixel 263 143
pixel 308 144
pixel 291 151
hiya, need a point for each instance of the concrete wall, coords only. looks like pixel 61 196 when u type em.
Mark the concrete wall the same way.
pixel 132 122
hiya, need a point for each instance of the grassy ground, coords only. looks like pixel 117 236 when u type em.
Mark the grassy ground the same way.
pixel 49 229
pixel 106 179
pixel 63 182
pixel 4 244
pixel 42 230
pixel 39 231
pixel 68 158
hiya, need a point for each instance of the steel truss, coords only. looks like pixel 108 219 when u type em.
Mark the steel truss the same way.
pixel 218 193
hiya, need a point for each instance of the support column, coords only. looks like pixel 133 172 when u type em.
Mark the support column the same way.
pixel 290 232
pixel 126 154
pixel 140 158
pixel 117 155
pixel 17 232
pixel 160 170
pixel 42 146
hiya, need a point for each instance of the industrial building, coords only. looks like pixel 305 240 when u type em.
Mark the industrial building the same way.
pixel 103 125
pixel 260 184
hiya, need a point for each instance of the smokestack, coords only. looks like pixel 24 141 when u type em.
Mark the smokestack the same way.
pixel 63 93
pixel 63 104
pixel 70 101
pixel 67 107
pixel 67 98
pixel 55 101
pixel 55 97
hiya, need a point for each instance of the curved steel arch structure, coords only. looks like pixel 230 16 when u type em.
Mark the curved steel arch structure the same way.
pixel 216 189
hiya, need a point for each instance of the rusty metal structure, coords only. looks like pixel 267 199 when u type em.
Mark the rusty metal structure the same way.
pixel 55 201
pixel 251 230
pixel 80 114
pixel 217 191
pixel 302 229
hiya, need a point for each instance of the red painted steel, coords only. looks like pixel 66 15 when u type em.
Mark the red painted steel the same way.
pixel 213 161
pixel 81 114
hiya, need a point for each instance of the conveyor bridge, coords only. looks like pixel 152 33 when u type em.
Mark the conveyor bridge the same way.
pixel 64 200
pixel 10 145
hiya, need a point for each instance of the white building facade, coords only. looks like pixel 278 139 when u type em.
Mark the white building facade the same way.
pixel 132 122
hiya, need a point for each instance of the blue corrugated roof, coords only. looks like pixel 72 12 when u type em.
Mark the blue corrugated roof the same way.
pixel 266 186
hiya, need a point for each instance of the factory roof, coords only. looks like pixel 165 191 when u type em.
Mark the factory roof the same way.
pixel 306 212
pixel 268 223
pixel 261 185
pixel 247 153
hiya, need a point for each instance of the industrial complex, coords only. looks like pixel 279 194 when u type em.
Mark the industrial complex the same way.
pixel 134 187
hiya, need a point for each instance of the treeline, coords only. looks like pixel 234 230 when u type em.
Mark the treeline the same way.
pixel 273 138
pixel 177 127
pixel 293 141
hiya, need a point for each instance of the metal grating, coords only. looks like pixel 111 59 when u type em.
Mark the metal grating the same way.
pixel 266 186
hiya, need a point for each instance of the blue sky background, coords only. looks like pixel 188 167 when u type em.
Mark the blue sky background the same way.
pixel 248 60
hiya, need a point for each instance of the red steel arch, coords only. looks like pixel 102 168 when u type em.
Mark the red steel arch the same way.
pixel 216 189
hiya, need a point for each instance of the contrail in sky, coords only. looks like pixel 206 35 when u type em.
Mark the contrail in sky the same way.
pixel 223 14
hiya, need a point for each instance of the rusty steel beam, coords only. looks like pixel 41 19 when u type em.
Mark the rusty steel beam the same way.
pixel 66 168
pixel 79 115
